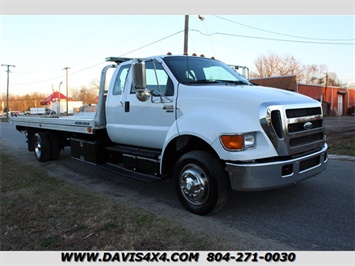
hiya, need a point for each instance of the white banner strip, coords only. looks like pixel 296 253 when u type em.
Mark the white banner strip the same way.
pixel 295 258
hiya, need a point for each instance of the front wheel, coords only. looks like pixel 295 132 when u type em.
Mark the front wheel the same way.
pixel 201 182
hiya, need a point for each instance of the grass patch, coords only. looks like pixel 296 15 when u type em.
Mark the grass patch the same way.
pixel 39 212
pixel 341 143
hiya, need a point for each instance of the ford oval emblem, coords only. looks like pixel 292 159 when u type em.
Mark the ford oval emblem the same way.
pixel 308 125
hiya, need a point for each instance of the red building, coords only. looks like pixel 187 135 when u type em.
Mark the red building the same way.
pixel 336 100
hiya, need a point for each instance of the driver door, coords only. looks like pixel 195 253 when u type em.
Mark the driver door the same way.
pixel 146 123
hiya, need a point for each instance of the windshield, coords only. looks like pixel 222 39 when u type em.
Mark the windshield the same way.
pixel 199 70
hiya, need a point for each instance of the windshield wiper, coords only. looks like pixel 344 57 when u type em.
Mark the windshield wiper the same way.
pixel 236 82
pixel 201 81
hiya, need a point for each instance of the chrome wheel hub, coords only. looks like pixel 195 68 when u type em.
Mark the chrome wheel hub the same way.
pixel 194 184
pixel 38 149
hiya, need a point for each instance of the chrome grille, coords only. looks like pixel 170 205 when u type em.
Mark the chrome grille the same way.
pixel 292 113
pixel 294 130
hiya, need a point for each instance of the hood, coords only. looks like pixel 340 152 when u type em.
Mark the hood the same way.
pixel 244 95
pixel 267 94
pixel 243 103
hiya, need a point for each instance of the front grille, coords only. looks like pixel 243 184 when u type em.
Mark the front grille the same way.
pixel 299 127
pixel 294 131
pixel 292 113
pixel 297 141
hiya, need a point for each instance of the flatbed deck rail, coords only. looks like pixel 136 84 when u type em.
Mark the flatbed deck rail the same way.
pixel 74 124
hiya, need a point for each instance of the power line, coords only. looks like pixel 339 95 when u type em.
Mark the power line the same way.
pixel 282 34
pixel 153 42
pixel 134 34
pixel 269 39
pixel 75 72
pixel 53 78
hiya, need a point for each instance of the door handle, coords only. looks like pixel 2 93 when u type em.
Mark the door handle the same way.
pixel 126 106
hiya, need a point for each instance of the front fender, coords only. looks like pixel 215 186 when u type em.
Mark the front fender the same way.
pixel 208 126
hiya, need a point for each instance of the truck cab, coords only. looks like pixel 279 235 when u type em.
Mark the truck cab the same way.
pixel 261 138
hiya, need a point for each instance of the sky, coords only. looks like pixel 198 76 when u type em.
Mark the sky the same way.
pixel 41 46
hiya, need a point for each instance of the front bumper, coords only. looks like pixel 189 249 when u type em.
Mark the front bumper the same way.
pixel 270 175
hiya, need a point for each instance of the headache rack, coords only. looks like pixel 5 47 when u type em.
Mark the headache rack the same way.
pixel 117 60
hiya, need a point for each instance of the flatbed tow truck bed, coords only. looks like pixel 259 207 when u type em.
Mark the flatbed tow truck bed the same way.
pixel 79 123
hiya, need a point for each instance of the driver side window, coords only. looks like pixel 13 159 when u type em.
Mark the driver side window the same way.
pixel 157 79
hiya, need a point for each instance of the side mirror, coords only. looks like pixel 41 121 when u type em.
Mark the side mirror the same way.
pixel 138 76
pixel 139 81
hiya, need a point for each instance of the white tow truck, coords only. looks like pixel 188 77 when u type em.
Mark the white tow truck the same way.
pixel 193 119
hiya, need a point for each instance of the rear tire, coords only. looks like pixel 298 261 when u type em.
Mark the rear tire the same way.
pixel 42 147
pixel 55 146
pixel 201 182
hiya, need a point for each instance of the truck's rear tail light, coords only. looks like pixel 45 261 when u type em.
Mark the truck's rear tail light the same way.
pixel 233 142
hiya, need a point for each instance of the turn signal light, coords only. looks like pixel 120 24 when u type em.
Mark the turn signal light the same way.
pixel 233 142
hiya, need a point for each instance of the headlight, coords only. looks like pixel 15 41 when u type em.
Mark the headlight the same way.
pixel 238 142
pixel 249 141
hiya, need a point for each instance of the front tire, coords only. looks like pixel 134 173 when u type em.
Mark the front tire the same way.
pixel 201 182
pixel 42 147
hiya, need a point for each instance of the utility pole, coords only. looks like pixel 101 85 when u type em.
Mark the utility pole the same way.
pixel 59 97
pixel 66 70
pixel 186 32
pixel 186 35
pixel 7 90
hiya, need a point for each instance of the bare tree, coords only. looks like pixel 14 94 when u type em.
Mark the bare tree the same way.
pixel 333 80
pixel 275 65
pixel 86 94
pixel 314 74
pixel 95 84
pixel 75 94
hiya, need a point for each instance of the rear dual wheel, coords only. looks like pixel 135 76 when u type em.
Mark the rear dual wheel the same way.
pixel 46 146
